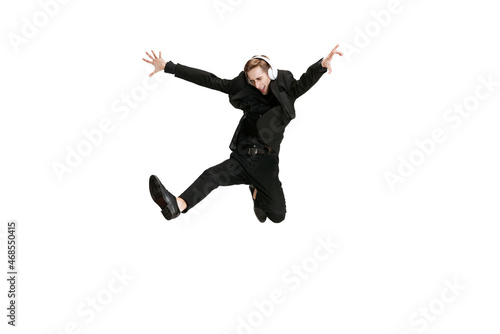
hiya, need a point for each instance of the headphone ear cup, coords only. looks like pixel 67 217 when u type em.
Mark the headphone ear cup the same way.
pixel 273 74
pixel 270 72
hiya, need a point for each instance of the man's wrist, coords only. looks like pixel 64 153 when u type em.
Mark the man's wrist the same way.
pixel 170 67
pixel 322 69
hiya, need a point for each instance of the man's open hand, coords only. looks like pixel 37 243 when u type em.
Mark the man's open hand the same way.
pixel 326 63
pixel 157 62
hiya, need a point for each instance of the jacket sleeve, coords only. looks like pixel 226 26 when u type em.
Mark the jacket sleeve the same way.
pixel 307 80
pixel 205 79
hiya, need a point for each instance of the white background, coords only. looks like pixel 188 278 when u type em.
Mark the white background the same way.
pixel 203 272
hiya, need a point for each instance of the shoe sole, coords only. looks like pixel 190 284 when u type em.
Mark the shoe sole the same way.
pixel 155 191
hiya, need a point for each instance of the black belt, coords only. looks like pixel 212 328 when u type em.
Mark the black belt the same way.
pixel 255 149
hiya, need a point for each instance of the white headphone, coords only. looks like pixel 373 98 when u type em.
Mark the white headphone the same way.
pixel 272 72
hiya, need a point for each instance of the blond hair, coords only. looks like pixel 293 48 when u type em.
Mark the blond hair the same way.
pixel 254 62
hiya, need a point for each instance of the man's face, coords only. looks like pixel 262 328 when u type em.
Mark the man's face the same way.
pixel 259 79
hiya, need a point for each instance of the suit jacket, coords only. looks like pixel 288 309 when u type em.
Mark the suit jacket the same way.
pixel 271 125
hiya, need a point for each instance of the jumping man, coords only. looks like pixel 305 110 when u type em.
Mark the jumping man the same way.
pixel 267 98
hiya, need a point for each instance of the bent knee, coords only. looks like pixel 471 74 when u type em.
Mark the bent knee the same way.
pixel 276 216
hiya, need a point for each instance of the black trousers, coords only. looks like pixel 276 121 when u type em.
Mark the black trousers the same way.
pixel 260 170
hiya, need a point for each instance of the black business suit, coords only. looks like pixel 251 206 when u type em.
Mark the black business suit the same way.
pixel 260 170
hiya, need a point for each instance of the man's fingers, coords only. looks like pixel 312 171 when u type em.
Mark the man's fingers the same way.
pixel 147 61
pixel 154 54
pixel 150 56
pixel 330 56
pixel 329 67
pixel 334 51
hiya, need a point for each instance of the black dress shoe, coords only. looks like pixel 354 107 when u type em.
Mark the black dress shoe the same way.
pixel 261 215
pixel 165 200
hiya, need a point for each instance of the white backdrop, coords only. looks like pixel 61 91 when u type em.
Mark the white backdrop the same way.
pixel 390 169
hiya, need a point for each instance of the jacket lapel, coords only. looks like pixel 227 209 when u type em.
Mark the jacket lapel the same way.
pixel 283 100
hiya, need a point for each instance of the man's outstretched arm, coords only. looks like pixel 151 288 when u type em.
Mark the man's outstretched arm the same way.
pixel 313 74
pixel 196 76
